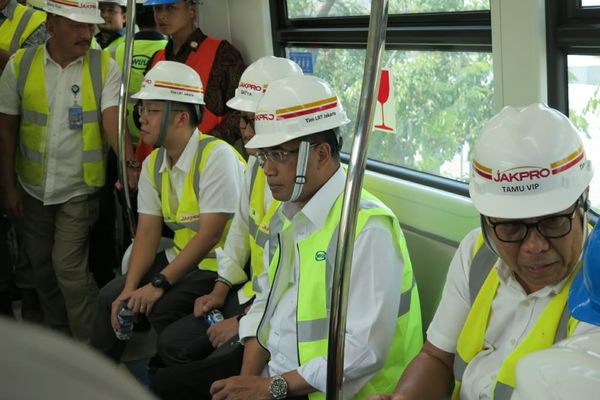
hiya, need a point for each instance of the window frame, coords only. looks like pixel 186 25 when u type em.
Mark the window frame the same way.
pixel 570 30
pixel 445 31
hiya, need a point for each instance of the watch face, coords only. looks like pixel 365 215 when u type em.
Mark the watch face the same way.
pixel 158 281
pixel 278 387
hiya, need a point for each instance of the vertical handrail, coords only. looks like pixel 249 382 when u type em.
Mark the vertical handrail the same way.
pixel 122 121
pixel 356 167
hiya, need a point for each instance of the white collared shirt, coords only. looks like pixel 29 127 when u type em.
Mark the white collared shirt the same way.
pixel 219 183
pixel 233 256
pixel 375 287
pixel 514 313
pixel 63 177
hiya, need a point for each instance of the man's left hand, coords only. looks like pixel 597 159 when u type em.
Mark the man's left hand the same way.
pixel 241 388
pixel 144 298
pixel 222 331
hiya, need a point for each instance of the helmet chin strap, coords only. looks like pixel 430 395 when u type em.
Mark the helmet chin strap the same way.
pixel 486 236
pixel 300 170
pixel 164 124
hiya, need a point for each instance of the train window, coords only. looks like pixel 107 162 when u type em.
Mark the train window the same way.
pixel 590 3
pixel 339 8
pixel 441 100
pixel 584 110
pixel 438 53
pixel 574 72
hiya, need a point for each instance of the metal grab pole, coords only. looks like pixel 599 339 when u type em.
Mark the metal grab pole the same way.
pixel 347 229
pixel 122 121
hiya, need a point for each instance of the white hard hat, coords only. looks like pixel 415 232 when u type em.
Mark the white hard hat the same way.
pixel 569 370
pixel 294 107
pixel 86 12
pixel 256 78
pixel 528 162
pixel 174 81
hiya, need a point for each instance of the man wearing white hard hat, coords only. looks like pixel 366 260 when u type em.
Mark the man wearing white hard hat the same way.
pixel 191 182
pixel 506 291
pixel 186 346
pixel 298 144
pixel 57 111
pixel 20 27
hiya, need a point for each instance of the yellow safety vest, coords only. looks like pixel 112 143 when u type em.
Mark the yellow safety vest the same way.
pixel 142 52
pixel 184 221
pixel 314 296
pixel 259 220
pixel 554 324
pixel 33 131
pixel 14 31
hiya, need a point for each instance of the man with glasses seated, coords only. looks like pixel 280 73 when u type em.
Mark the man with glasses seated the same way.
pixel 191 182
pixel 197 354
pixel 285 332
pixel 507 286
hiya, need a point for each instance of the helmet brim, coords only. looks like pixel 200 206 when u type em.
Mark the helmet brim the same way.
pixel 77 18
pixel 269 140
pixel 524 206
pixel 242 105
pixel 159 2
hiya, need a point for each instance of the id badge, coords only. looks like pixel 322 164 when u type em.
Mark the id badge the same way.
pixel 75 117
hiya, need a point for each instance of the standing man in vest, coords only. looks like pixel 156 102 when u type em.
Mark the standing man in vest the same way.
pixel 191 182
pixel 112 29
pixel 217 62
pixel 507 286
pixel 298 142
pixel 20 26
pixel 59 156
pixel 196 354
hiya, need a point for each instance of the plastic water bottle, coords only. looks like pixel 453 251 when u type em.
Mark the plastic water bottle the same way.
pixel 214 316
pixel 125 318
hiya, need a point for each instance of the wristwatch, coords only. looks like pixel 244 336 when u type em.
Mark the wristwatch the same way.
pixel 278 387
pixel 160 281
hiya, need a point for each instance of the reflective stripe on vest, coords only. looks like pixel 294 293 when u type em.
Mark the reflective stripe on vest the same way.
pixel 184 221
pixel 201 60
pixel 31 87
pixel 314 296
pixel 259 229
pixel 15 31
pixel 142 53
pixel 553 324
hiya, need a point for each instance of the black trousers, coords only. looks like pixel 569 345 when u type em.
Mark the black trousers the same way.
pixel 186 339
pixel 176 303
pixel 193 380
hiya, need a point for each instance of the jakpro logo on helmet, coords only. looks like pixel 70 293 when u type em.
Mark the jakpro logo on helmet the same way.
pixel 526 179
pixel 252 86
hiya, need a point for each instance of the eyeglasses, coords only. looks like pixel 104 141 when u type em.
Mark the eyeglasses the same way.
pixel 143 110
pixel 277 156
pixel 553 227
pixel 247 121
